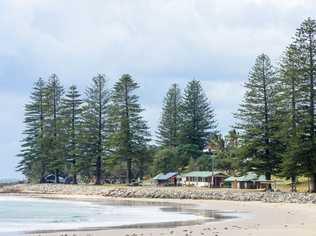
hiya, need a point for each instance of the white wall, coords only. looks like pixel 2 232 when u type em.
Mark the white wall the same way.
pixel 195 183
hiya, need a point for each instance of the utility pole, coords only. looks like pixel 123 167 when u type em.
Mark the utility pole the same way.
pixel 213 166
pixel 209 152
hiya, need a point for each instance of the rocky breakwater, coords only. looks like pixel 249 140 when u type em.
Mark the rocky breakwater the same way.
pixel 161 192
pixel 209 194
pixel 184 193
pixel 279 197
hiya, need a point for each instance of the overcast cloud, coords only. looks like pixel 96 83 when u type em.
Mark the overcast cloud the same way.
pixel 159 42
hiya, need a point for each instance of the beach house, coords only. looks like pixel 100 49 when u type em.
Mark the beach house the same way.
pixel 168 179
pixel 204 179
pixel 248 181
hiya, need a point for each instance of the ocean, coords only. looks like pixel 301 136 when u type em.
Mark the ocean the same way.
pixel 23 214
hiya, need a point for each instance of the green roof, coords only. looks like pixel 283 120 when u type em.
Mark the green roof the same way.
pixel 262 178
pixel 230 179
pixel 158 176
pixel 250 176
pixel 203 174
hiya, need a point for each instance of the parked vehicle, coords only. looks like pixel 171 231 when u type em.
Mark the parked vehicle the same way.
pixel 69 180
pixel 52 179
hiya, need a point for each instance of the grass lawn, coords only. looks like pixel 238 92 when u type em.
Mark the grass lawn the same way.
pixel 285 185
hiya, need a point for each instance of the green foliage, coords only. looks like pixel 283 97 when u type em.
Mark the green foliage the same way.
pixel 256 118
pixel 33 152
pixel 71 116
pixel 290 113
pixel 226 152
pixel 186 125
pixel 305 42
pixel 202 163
pixel 53 125
pixel 165 160
pixel 170 123
pixel 197 116
pixel 105 135
pixel 297 102
pixel 129 132
pixel 95 127
pixel 187 152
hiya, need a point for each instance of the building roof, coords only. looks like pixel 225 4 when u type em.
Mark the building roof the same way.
pixel 231 179
pixel 202 174
pixel 262 178
pixel 167 176
pixel 250 176
pixel 157 176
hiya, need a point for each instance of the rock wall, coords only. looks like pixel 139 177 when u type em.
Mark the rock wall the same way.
pixel 162 192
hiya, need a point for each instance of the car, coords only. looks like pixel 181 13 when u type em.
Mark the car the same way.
pixel 69 180
pixel 52 179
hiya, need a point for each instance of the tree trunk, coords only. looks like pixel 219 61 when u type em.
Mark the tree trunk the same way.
pixel 293 183
pixel 98 163
pixel 129 170
pixel 57 176
pixel 308 184
pixel 75 173
pixel 43 166
pixel 42 178
pixel 75 179
pixel 266 126
pixel 141 170
pixel 313 183
pixel 312 108
pixel 268 177
pixel 98 171
pixel 129 161
pixel 73 141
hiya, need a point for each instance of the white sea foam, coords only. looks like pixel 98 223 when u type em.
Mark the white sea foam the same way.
pixel 20 214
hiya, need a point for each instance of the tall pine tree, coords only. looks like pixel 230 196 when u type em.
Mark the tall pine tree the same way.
pixel 130 134
pixel 305 41
pixel 71 111
pixel 291 114
pixel 95 118
pixel 169 127
pixel 34 161
pixel 198 119
pixel 256 119
pixel 54 137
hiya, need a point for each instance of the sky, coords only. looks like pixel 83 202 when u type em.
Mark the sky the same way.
pixel 158 42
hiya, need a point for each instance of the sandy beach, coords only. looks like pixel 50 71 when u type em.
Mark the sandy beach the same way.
pixel 273 219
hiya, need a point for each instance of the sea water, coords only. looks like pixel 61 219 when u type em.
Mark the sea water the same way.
pixel 22 214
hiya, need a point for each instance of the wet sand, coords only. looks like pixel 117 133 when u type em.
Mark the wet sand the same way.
pixel 258 218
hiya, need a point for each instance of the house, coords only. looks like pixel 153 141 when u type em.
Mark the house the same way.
pixel 249 181
pixel 204 179
pixel 231 182
pixel 263 183
pixel 168 179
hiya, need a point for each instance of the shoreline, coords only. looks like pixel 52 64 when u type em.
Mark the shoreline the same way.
pixel 267 218
pixel 209 216
pixel 181 208
pixel 270 219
